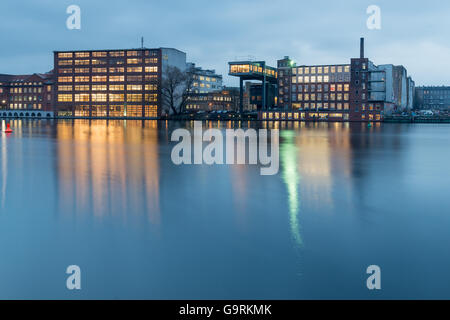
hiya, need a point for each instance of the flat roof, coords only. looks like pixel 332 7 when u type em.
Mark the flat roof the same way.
pixel 129 49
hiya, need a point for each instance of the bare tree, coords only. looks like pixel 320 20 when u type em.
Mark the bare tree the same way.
pixel 176 87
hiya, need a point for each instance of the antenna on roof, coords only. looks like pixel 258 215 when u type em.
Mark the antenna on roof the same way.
pixel 142 42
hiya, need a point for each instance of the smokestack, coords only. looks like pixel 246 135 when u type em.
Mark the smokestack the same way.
pixel 361 50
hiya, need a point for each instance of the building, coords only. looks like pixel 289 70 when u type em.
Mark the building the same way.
pixel 205 80
pixel 26 95
pixel 112 83
pixel 396 90
pixel 432 98
pixel 254 92
pixel 358 91
pixel 253 70
pixel 225 99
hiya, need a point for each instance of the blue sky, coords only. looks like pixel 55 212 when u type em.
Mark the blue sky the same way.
pixel 414 33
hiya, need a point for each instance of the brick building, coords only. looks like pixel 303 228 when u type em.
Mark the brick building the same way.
pixel 112 83
pixel 26 95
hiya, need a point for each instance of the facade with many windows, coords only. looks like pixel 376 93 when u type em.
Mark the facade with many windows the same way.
pixel 432 98
pixel 204 81
pixel 225 100
pixel 21 94
pixel 111 83
pixel 317 92
pixel 359 91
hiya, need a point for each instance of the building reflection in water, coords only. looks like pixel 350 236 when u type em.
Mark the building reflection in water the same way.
pixel 291 177
pixel 108 168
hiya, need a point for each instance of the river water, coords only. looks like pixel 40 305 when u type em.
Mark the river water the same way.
pixel 105 196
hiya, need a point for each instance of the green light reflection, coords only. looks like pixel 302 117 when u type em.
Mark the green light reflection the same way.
pixel 291 177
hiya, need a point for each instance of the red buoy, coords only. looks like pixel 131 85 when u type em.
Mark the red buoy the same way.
pixel 8 129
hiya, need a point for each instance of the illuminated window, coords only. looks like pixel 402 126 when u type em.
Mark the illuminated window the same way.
pixel 64 98
pixel 116 87
pixel 117 70
pixel 81 70
pixel 82 97
pixel 66 70
pixel 116 111
pixel 134 111
pixel 116 97
pixel 99 97
pixel 134 97
pixel 134 61
pixel 98 62
pixel 97 87
pixel 65 79
pixel 99 54
pixel 82 88
pixel 99 78
pixel 82 79
pixel 65 55
pixel 99 111
pixel 151 87
pixel 81 111
pixel 134 69
pixel 134 78
pixel 65 88
pixel 151 69
pixel 65 62
pixel 117 54
pixel 82 54
pixel 134 87
pixel 99 70
pixel 82 62
pixel 116 78
pixel 151 111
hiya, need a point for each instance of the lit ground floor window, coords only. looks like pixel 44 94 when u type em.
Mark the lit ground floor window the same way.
pixel 134 111
pixel 116 111
pixel 151 111
pixel 82 111
pixel 99 111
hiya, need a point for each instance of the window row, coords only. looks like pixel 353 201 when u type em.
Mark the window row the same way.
pixel 111 87
pixel 321 79
pixel 321 70
pixel 103 97
pixel 106 79
pixel 320 88
pixel 103 54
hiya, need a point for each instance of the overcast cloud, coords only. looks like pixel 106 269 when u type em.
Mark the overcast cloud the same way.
pixel 414 33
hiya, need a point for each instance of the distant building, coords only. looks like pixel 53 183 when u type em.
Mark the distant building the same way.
pixel 225 99
pixel 26 95
pixel 359 91
pixel 120 83
pixel 432 98
pixel 205 80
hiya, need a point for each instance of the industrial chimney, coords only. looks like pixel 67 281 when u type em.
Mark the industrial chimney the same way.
pixel 361 50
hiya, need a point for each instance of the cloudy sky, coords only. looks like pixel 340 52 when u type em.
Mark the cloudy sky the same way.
pixel 413 33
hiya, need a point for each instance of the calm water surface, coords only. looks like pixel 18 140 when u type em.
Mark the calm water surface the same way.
pixel 106 196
